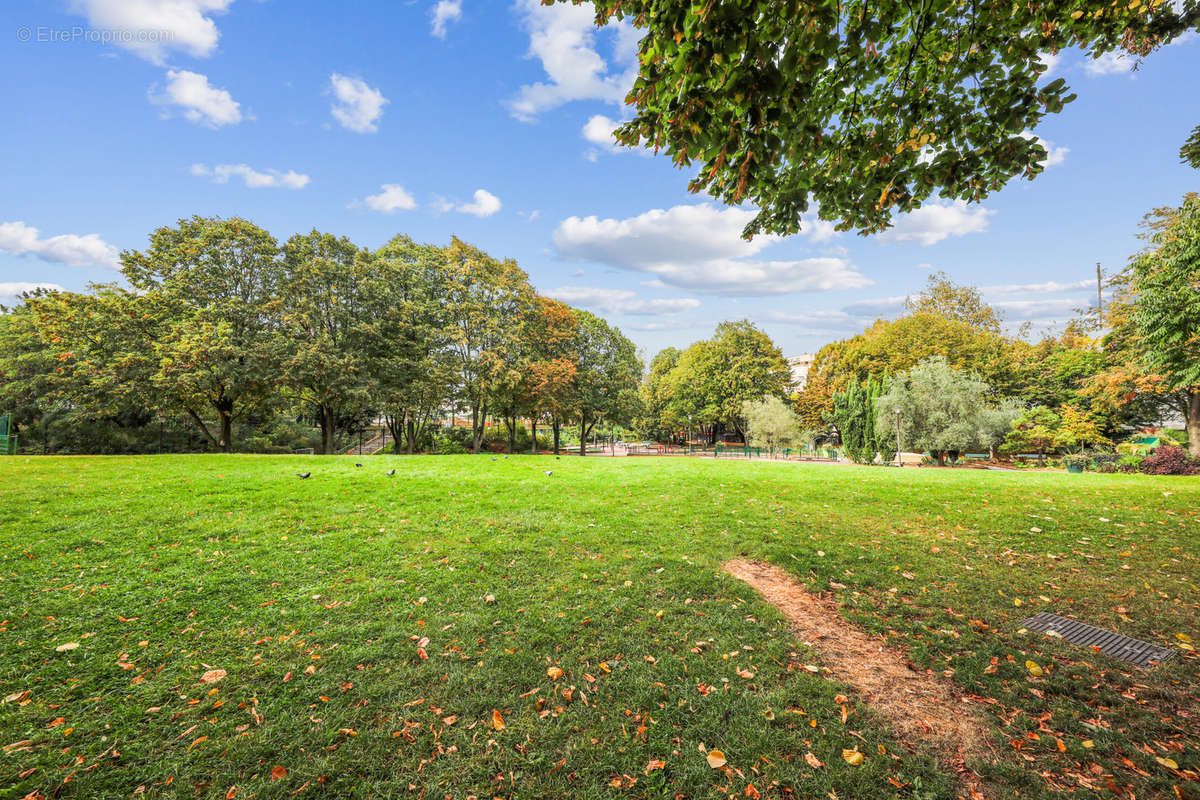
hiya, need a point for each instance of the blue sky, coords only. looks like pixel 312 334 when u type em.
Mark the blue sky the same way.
pixel 489 121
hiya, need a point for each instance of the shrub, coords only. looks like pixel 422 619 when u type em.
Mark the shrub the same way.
pixel 1170 460
pixel 1082 461
pixel 1130 463
pixel 449 445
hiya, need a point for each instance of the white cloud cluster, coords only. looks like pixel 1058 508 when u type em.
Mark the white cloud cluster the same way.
pixel 1111 63
pixel 272 178
pixel 200 102
pixel 71 249
pixel 445 12
pixel 358 106
pixel 699 247
pixel 152 28
pixel 621 301
pixel 392 197
pixel 933 222
pixel 1034 288
pixel 484 205
pixel 563 37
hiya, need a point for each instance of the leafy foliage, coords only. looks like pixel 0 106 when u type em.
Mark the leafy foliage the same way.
pixel 863 109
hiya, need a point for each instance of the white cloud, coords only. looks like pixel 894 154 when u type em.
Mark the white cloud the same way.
pixel 484 205
pixel 445 12
pixel 358 107
pixel 151 28
pixel 201 103
pixel 599 130
pixel 1111 63
pixel 563 37
pixel 621 301
pixel 393 197
pixel 1040 310
pixel 1048 287
pixel 88 250
pixel 272 178
pixel 933 222
pixel 699 247
pixel 11 290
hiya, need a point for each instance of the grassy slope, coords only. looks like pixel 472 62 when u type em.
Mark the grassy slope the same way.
pixel 609 569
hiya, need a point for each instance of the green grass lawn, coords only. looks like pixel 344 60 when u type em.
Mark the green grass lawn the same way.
pixel 371 627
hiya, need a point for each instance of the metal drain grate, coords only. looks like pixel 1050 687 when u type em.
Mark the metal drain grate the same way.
pixel 1142 654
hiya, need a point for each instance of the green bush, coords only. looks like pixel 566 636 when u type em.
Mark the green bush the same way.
pixel 449 445
pixel 1130 463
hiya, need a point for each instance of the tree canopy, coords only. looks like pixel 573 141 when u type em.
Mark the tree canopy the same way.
pixel 862 109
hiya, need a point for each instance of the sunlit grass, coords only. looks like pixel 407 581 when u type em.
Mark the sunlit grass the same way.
pixel 314 596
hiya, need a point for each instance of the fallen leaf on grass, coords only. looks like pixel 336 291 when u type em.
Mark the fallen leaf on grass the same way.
pixel 198 741
pixel 497 720
pixel 555 673
pixel 715 759
pixel 62 648
pixel 852 757
pixel 1169 763
pixel 812 760
pixel 655 764
pixel 278 772
pixel 1033 668
pixel 212 676
pixel 232 793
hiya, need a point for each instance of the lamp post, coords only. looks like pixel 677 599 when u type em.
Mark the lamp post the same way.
pixel 899 460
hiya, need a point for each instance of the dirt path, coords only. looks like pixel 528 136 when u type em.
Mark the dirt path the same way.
pixel 925 711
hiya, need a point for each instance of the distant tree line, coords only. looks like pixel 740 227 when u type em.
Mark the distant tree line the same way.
pixel 221 326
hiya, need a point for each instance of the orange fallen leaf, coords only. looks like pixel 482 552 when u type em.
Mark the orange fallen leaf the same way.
pixel 715 759
pixel 278 772
pixel 232 793
pixel 812 760
pixel 212 676
pixel 497 720
pixel 555 673
pixel 198 741
pixel 655 764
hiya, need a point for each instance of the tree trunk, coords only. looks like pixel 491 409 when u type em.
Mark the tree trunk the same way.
pixel 583 432
pixel 204 429
pixel 511 424
pixel 226 414
pixel 410 432
pixel 556 426
pixel 476 428
pixel 533 436
pixel 941 456
pixel 1192 422
pixel 326 429
pixel 1041 456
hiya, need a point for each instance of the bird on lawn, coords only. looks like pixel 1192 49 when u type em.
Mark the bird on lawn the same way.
pixel 358 465
pixel 303 475
pixel 548 472
pixel 391 472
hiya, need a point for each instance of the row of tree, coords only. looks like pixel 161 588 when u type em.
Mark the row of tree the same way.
pixel 949 376
pixel 221 324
